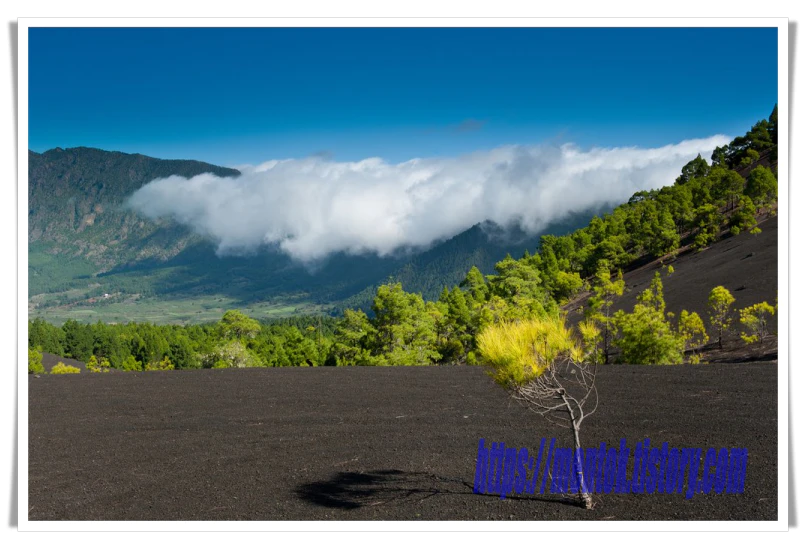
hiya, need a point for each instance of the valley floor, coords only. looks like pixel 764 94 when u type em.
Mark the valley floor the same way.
pixel 369 443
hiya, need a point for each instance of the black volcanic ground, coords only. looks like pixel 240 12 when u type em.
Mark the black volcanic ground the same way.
pixel 397 443
pixel 367 443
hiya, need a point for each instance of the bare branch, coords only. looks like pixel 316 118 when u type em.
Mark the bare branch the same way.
pixel 561 395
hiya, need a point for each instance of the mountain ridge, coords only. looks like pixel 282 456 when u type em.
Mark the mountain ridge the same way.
pixel 84 244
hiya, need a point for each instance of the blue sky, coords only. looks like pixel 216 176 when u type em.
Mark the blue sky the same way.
pixel 235 96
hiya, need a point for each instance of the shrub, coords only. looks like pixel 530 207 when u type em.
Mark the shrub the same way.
pixel 647 338
pixel 591 337
pixel 62 368
pixel 131 364
pixel 646 335
pixel 755 319
pixel 692 329
pixel 164 364
pixel 702 240
pixel 35 362
pixel 94 367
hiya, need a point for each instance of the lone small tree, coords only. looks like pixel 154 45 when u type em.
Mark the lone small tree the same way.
pixel 720 301
pixel 755 319
pixel 542 366
pixel 692 330
pixel 600 304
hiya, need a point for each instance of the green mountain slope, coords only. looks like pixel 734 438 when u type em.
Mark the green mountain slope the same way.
pixel 74 205
pixel 482 246
pixel 93 259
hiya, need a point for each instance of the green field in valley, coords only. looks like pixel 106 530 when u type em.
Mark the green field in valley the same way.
pixel 168 311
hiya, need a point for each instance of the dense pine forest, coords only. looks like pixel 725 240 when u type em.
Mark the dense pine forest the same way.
pixel 707 202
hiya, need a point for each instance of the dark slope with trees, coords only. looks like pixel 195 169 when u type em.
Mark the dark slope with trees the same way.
pixel 746 265
pixel 707 203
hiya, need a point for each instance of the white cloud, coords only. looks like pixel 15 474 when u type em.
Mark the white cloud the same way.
pixel 312 207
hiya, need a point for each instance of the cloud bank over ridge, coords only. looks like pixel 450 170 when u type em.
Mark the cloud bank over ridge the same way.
pixel 312 207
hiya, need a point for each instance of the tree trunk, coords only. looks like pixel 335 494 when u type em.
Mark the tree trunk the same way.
pixel 585 498
pixel 584 495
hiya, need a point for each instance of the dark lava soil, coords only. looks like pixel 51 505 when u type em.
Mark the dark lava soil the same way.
pixel 368 443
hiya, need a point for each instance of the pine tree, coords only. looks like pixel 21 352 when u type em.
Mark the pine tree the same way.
pixel 646 337
pixel 762 187
pixel 600 306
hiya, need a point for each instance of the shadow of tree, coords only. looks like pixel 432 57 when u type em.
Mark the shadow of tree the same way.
pixel 352 490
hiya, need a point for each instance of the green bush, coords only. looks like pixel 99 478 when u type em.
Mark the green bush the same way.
pixel 62 368
pixel 131 364
pixel 35 362
pixel 646 335
pixel 220 365
pixel 95 367
pixel 755 320
pixel 164 364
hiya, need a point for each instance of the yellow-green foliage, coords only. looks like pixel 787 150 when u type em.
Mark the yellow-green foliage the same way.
pixel 591 336
pixel 131 364
pixel 94 367
pixel 62 368
pixel 164 364
pixel 518 351
pixel 35 362
pixel 669 270
pixel 720 301
pixel 646 335
pixel 692 329
pixel 755 319
pixel 599 306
